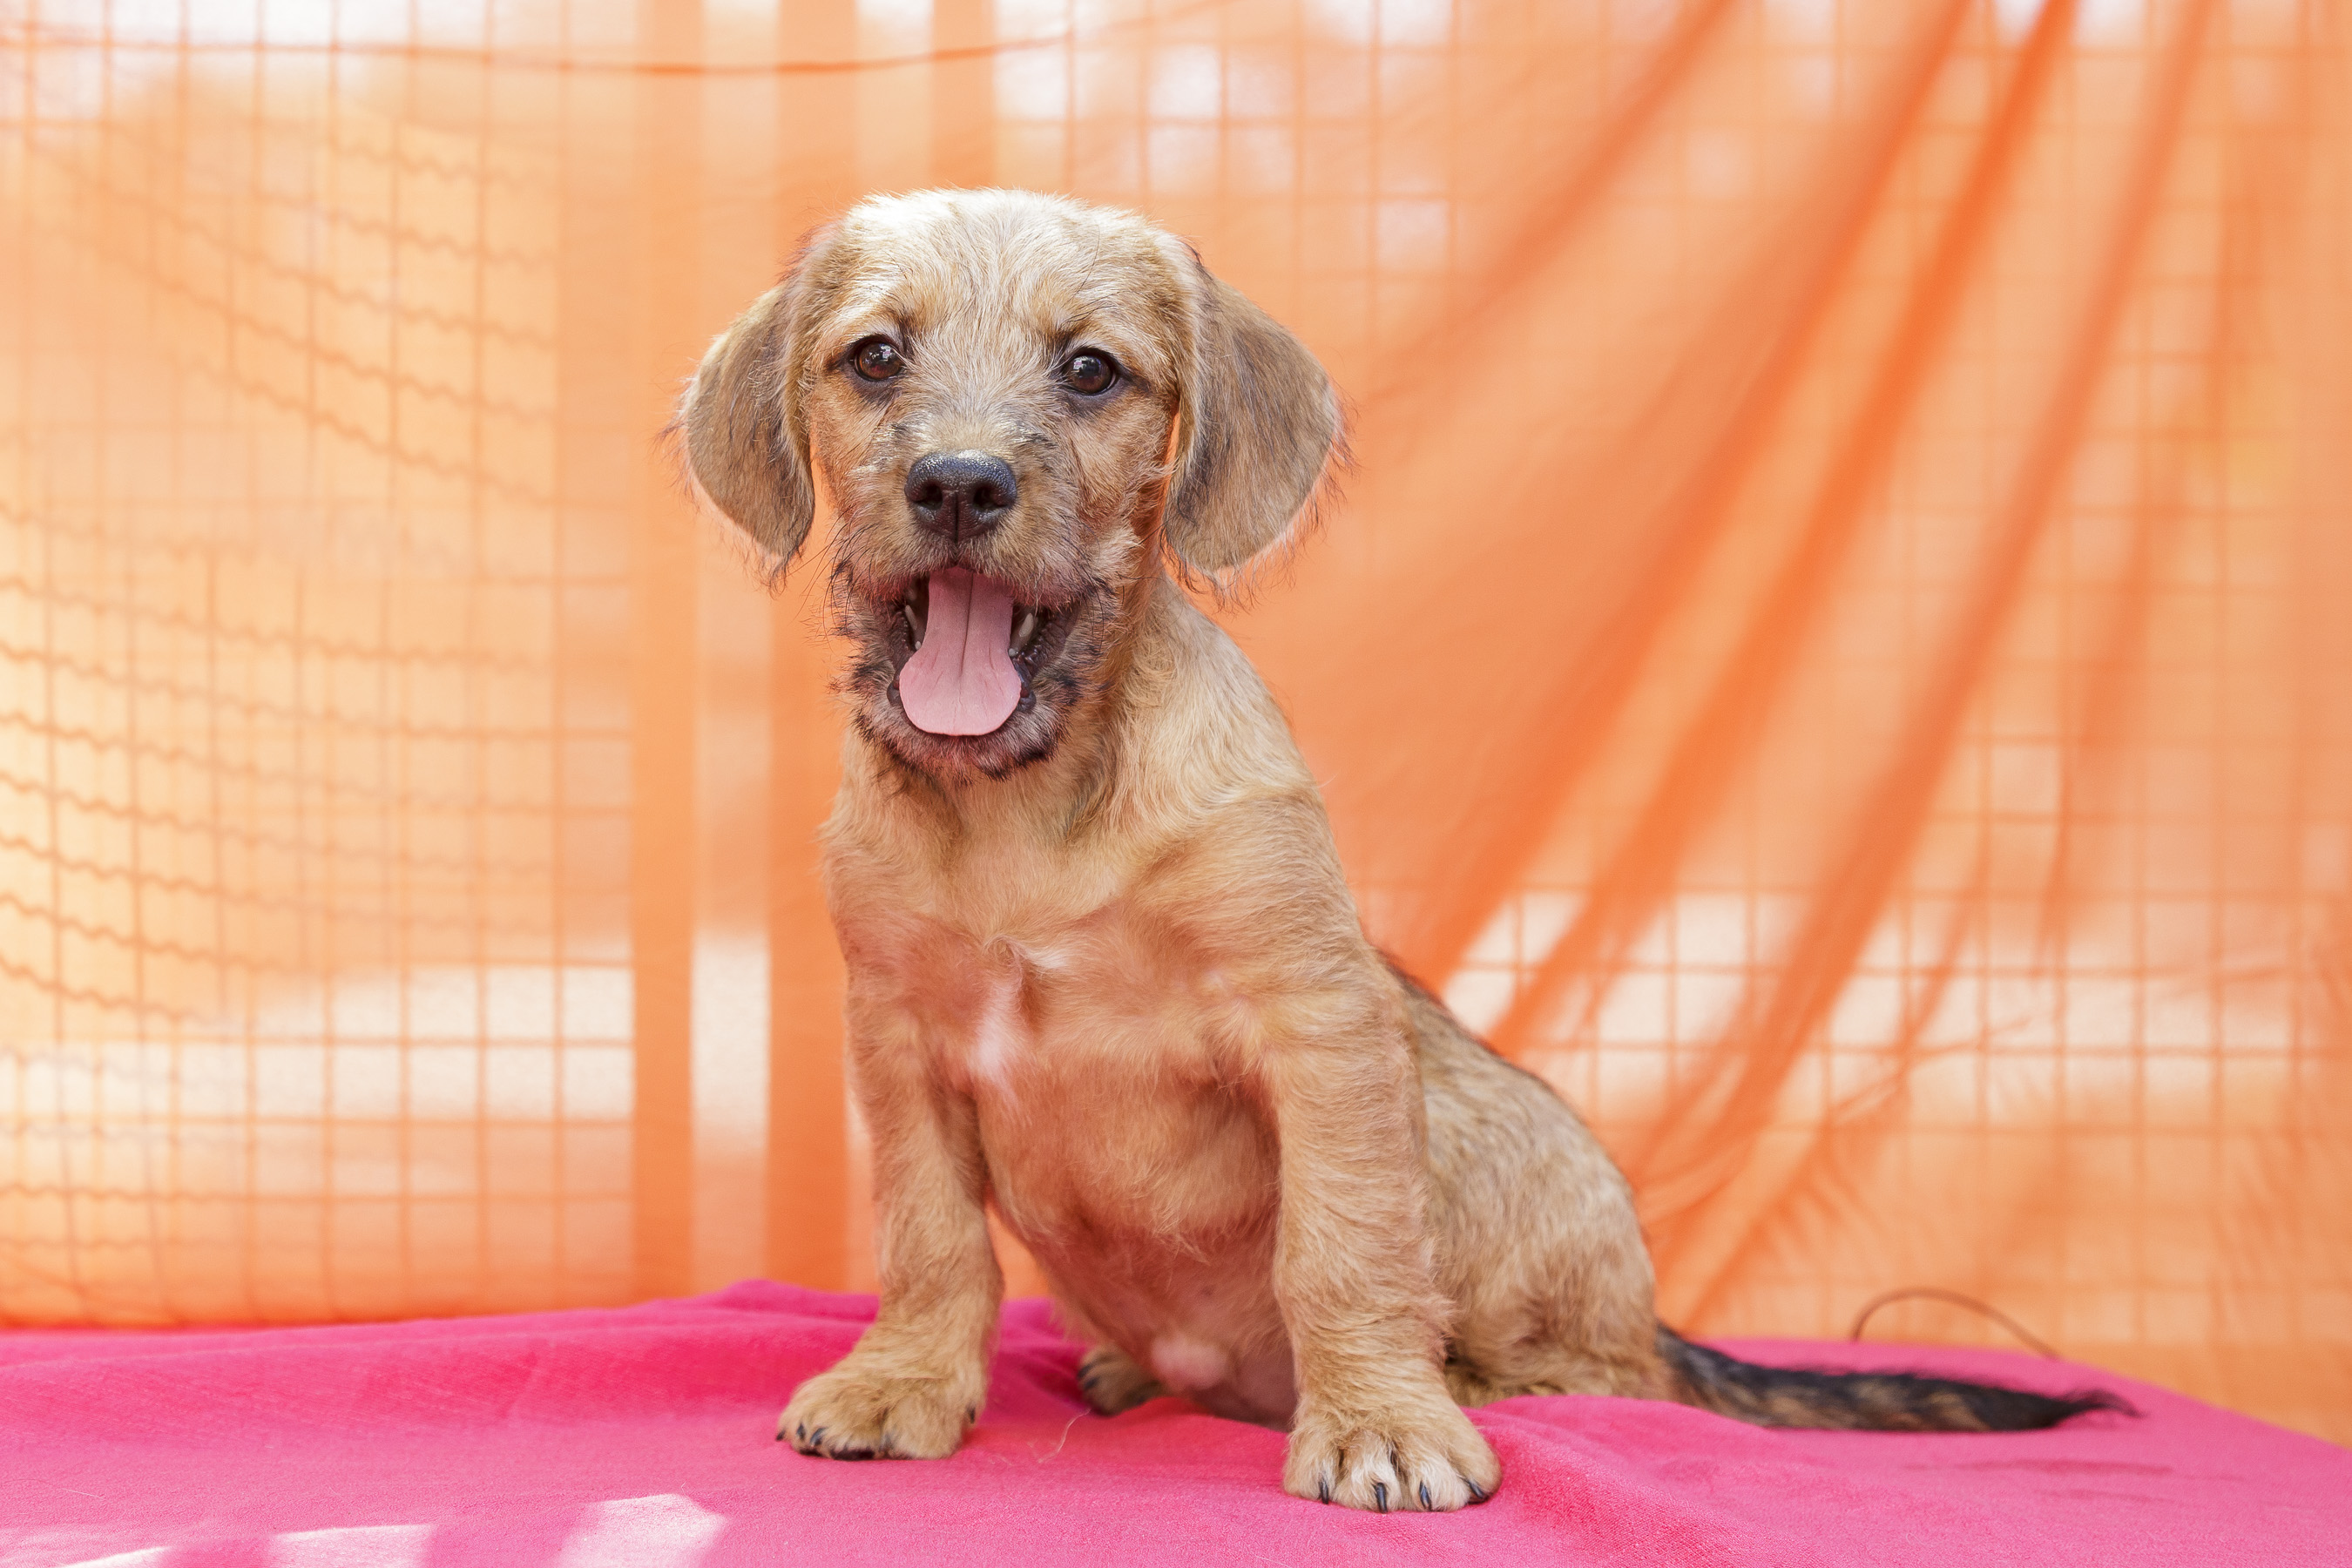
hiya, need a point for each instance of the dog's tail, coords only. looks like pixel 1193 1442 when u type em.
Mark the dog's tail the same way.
pixel 1863 1401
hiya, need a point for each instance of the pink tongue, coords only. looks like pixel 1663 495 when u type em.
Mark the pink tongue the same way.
pixel 961 681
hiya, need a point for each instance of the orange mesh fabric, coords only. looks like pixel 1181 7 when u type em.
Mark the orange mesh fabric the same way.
pixel 1836 651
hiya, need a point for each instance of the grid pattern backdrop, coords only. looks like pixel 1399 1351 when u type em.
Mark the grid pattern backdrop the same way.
pixel 1836 651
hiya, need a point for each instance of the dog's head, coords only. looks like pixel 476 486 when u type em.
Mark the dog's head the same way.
pixel 991 382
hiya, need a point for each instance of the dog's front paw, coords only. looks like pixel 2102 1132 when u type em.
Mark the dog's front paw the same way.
pixel 852 1413
pixel 1419 1454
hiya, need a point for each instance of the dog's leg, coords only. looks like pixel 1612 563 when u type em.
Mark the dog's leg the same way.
pixel 1375 1427
pixel 918 1376
pixel 1112 1382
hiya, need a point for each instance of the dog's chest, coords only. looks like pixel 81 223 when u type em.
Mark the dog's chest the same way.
pixel 1024 974
pixel 1103 1054
pixel 1047 1020
pixel 1102 1068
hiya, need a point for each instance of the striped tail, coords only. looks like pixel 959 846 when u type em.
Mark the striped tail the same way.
pixel 1863 1401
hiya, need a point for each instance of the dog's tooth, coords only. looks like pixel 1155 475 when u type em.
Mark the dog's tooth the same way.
pixel 1024 631
pixel 914 625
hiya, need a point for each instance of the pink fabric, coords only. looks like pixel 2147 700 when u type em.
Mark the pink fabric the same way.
pixel 640 1439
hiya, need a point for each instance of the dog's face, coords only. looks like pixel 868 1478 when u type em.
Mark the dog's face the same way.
pixel 989 382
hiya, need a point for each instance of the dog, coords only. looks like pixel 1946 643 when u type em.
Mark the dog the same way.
pixel 1104 971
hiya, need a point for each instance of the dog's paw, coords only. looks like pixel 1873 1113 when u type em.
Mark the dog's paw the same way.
pixel 853 1414
pixel 1112 1382
pixel 1419 1454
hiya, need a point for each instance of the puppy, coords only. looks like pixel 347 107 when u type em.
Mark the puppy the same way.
pixel 1103 969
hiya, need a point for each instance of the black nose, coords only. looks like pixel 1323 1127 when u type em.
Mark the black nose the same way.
pixel 961 494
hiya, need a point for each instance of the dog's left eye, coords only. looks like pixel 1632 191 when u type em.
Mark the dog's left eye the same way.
pixel 877 359
pixel 1089 373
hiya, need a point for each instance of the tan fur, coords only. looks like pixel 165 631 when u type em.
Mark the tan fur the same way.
pixel 1103 971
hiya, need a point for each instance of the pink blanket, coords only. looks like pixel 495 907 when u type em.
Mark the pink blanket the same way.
pixel 641 1438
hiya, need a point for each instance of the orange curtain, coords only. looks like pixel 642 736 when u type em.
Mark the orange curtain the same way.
pixel 1837 650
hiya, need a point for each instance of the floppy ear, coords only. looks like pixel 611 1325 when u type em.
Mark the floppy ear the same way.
pixel 1260 420
pixel 747 441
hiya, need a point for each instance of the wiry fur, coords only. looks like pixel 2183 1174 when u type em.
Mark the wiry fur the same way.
pixel 1103 971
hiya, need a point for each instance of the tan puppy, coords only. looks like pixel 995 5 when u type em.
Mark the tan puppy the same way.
pixel 1104 971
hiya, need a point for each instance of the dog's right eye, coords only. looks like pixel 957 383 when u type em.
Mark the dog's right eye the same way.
pixel 877 359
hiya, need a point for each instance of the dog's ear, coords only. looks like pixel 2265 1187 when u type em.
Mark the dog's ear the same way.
pixel 1260 420
pixel 747 443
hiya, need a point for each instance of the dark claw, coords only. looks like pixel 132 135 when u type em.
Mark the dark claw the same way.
pixel 1477 1492
pixel 800 1432
pixel 972 1413
pixel 1426 1507
pixel 1323 1490
pixel 817 1440
pixel 1381 1496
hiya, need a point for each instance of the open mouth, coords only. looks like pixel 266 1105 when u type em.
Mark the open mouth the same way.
pixel 973 652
